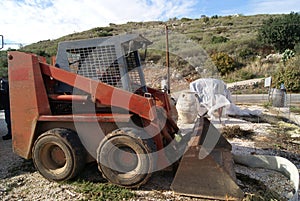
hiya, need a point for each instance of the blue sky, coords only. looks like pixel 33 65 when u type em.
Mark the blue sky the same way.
pixel 29 21
pixel 245 7
pixel 215 7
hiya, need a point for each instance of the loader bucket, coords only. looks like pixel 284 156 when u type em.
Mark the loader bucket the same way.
pixel 206 167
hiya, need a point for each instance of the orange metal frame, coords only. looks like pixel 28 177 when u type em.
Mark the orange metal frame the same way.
pixel 30 104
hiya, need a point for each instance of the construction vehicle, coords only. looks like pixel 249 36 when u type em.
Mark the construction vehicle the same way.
pixel 94 105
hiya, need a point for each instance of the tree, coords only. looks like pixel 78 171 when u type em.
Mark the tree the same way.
pixel 281 32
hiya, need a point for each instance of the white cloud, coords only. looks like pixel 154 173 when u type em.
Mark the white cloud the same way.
pixel 28 21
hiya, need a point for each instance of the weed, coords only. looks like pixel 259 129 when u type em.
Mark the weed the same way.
pixel 295 109
pixel 267 104
pixel 102 191
pixel 236 131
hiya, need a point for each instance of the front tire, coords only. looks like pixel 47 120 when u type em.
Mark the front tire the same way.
pixel 58 154
pixel 125 158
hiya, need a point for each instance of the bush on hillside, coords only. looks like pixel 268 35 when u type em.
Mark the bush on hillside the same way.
pixel 219 39
pixel 281 32
pixel 288 75
pixel 246 53
pixel 223 62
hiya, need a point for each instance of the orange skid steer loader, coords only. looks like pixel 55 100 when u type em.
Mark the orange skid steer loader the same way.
pixel 94 105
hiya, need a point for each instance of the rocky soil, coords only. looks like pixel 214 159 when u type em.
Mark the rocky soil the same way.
pixel 20 181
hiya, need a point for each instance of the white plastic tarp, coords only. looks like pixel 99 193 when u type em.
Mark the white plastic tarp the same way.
pixel 213 94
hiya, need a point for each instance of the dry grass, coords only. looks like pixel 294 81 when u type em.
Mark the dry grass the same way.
pixel 236 132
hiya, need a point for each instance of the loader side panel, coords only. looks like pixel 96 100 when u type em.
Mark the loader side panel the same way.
pixel 103 93
pixel 28 99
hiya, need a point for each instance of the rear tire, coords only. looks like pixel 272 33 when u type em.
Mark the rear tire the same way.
pixel 125 159
pixel 58 154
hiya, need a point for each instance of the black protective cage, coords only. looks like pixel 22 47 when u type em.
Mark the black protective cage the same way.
pixel 113 60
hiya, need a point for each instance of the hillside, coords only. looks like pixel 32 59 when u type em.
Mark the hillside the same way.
pixel 240 30
pixel 193 42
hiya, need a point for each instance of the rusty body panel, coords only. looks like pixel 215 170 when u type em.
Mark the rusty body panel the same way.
pixel 28 99
pixel 104 93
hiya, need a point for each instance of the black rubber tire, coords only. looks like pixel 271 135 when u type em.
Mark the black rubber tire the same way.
pixel 134 145
pixel 58 154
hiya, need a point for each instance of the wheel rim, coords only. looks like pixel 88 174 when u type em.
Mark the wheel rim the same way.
pixel 58 156
pixel 125 159
pixel 53 158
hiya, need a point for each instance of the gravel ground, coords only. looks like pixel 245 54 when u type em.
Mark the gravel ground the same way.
pixel 20 181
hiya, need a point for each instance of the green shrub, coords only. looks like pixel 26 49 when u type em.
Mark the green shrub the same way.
pixel 292 75
pixel 205 19
pixel 221 30
pixel 3 59
pixel 282 32
pixel 246 75
pixel 103 34
pixel 102 29
pixel 185 19
pixel 289 75
pixel 219 39
pixel 229 24
pixel 297 48
pixel 223 62
pixel 246 53
pixel 197 38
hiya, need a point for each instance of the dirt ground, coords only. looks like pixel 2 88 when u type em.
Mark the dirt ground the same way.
pixel 267 134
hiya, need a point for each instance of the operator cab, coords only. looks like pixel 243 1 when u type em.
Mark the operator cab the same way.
pixel 112 60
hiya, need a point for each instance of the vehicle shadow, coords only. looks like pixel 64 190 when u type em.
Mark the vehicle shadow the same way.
pixel 160 180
